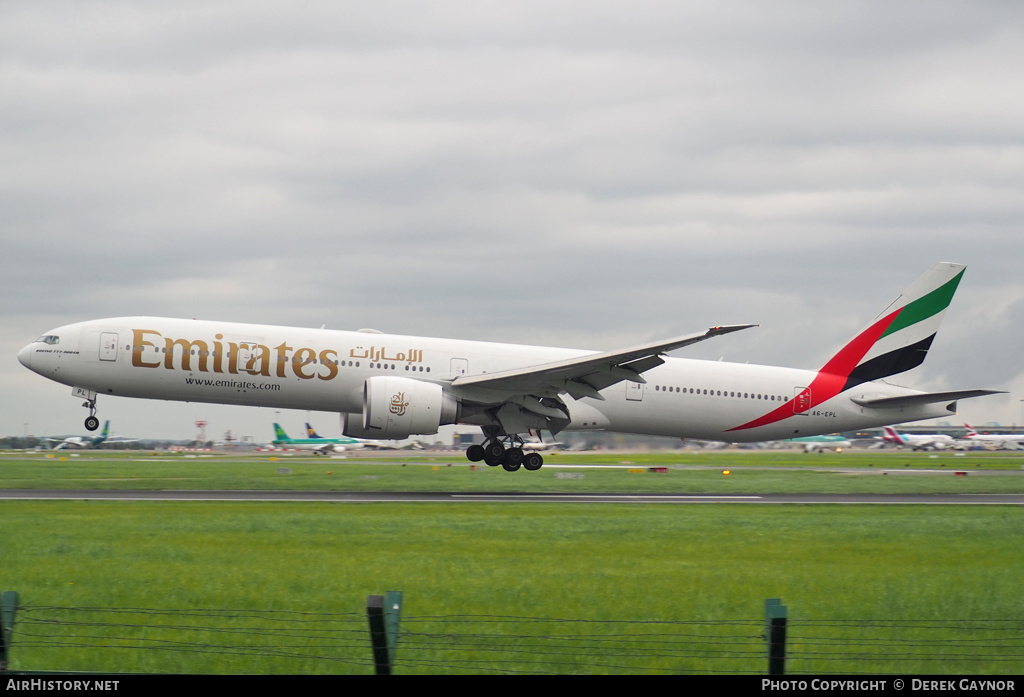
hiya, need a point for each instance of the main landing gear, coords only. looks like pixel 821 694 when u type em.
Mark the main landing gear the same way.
pixel 494 453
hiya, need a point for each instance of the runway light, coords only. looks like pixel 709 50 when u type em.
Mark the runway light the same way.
pixel 725 472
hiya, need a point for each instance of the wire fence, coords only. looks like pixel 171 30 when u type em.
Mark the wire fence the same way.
pixel 909 646
pixel 199 641
pixel 220 641
pixel 558 646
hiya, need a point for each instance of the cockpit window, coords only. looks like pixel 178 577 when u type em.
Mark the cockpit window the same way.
pixel 51 339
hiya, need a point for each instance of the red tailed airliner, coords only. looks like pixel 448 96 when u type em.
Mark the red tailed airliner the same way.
pixel 388 386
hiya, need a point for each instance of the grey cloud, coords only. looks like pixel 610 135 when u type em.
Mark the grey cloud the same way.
pixel 583 174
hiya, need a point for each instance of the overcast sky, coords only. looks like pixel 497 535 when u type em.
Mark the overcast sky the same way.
pixel 583 174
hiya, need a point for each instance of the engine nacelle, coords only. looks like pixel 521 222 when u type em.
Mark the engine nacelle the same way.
pixel 352 426
pixel 395 408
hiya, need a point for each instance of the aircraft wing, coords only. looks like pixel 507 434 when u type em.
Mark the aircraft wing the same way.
pixel 585 376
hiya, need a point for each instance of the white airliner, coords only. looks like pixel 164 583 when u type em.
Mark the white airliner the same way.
pixel 539 445
pixel 994 441
pixel 391 387
pixel 87 442
pixel 923 441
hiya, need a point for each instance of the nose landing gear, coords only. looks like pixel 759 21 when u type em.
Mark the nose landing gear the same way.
pixel 91 422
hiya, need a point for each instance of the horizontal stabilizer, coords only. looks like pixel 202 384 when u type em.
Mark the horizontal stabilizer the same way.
pixel 920 399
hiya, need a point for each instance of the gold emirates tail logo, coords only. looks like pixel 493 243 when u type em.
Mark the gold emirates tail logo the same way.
pixel 398 404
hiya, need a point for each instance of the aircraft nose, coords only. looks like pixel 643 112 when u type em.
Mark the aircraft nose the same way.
pixel 25 356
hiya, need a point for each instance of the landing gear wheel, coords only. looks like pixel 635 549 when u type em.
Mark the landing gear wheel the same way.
pixel 92 423
pixel 494 453
pixel 513 456
pixel 475 453
pixel 512 460
pixel 493 450
pixel 533 462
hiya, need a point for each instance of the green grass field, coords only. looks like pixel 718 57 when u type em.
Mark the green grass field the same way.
pixel 749 472
pixel 466 569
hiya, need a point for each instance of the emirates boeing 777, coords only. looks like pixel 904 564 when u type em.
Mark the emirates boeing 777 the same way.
pixel 388 386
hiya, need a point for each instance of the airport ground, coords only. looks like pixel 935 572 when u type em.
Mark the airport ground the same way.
pixel 655 472
pixel 471 557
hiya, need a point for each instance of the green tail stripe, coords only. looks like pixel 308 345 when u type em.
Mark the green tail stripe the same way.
pixel 925 306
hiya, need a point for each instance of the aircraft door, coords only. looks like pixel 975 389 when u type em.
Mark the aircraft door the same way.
pixel 108 346
pixel 460 366
pixel 801 400
pixel 634 391
pixel 245 351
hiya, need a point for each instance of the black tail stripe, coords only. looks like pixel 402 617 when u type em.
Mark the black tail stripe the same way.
pixel 892 363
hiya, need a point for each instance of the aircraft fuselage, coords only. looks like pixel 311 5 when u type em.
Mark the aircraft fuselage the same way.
pixel 326 370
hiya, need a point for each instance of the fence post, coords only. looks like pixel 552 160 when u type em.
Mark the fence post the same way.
pixel 775 617
pixel 384 613
pixel 8 605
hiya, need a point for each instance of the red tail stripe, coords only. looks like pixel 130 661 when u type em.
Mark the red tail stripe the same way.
pixel 832 377
pixel 843 363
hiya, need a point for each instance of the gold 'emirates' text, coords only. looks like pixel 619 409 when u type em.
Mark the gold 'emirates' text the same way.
pixel 235 358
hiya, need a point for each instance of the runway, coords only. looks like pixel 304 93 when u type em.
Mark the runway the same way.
pixel 470 497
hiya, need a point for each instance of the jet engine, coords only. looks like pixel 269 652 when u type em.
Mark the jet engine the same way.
pixel 395 408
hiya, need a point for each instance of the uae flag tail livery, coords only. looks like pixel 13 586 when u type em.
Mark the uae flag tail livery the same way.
pixel 895 342
pixel 900 337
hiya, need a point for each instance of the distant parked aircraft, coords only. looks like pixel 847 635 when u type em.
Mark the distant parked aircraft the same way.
pixel 994 441
pixel 88 442
pixel 813 444
pixel 537 444
pixel 318 444
pixel 935 441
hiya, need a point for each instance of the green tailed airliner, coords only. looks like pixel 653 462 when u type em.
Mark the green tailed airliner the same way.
pixel 317 443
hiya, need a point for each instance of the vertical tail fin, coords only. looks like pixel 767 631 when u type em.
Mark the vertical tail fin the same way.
pixel 279 433
pixel 895 342
pixel 892 435
pixel 899 338
pixel 311 433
